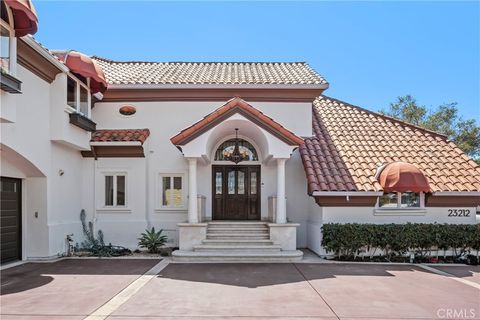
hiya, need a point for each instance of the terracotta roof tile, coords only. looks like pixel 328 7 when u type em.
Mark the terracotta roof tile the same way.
pixel 359 141
pixel 120 135
pixel 236 104
pixel 235 73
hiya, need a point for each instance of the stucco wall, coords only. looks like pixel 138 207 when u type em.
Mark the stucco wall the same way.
pixel 51 202
pixel 165 119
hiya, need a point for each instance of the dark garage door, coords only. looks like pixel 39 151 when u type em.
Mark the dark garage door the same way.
pixel 11 219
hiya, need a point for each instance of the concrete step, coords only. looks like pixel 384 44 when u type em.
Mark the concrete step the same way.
pixel 238 248
pixel 238 236
pixel 238 242
pixel 228 256
pixel 232 224
pixel 238 230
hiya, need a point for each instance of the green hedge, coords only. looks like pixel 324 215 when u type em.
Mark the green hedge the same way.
pixel 421 239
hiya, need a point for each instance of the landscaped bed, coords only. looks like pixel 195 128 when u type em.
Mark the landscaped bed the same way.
pixel 411 242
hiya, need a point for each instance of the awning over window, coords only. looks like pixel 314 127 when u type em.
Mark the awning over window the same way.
pixel 83 65
pixel 25 19
pixel 403 177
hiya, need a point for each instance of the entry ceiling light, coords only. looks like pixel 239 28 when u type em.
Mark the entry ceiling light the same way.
pixel 236 156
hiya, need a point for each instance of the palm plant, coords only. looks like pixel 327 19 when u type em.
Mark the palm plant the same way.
pixel 152 240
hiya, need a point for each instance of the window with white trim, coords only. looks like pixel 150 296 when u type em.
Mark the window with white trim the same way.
pixel 171 189
pixel 5 43
pixel 8 50
pixel 115 190
pixel 401 200
pixel 78 95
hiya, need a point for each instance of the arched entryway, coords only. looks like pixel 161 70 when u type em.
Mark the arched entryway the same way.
pixel 273 143
pixel 236 186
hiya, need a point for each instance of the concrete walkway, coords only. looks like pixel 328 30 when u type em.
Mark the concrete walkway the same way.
pixel 153 289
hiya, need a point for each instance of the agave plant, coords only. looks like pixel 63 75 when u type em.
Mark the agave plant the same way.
pixel 152 240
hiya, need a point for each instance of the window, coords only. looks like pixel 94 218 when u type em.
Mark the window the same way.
pixel 72 93
pixel 78 96
pixel 401 200
pixel 115 190
pixel 5 49
pixel 171 193
pixel 246 149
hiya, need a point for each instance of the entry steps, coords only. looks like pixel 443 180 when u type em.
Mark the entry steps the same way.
pixel 243 241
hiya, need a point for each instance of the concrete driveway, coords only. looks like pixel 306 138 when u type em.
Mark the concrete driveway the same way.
pixel 124 289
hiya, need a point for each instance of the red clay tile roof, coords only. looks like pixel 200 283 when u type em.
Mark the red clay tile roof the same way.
pixel 120 135
pixel 350 143
pixel 206 73
pixel 236 105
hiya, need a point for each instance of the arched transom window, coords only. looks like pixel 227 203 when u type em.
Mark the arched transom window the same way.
pixel 246 149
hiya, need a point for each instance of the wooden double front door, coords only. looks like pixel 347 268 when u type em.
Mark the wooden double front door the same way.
pixel 236 192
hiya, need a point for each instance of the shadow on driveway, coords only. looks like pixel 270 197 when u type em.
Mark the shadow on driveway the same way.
pixel 253 275
pixel 33 275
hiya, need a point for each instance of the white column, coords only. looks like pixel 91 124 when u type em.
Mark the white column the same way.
pixel 281 205
pixel 192 191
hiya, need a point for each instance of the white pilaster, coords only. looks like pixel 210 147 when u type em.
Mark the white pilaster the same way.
pixel 281 204
pixel 192 191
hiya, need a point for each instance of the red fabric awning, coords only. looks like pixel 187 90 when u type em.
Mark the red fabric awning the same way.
pixel 403 177
pixel 83 65
pixel 25 19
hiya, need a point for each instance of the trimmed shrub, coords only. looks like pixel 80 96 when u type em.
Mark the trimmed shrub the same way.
pixel 351 239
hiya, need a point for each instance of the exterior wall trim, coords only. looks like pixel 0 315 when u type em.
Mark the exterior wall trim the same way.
pixel 36 61
pixel 265 93
pixel 103 151
pixel 347 193
pixel 218 86
pixel 116 143
pixel 457 194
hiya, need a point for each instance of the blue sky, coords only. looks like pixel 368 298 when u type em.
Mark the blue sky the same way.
pixel 370 52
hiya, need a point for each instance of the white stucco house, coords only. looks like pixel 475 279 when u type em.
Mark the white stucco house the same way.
pixel 234 160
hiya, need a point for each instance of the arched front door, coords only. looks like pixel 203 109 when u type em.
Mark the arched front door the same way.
pixel 236 192
pixel 236 187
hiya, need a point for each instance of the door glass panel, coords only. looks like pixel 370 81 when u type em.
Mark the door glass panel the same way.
pixel 218 183
pixel 231 182
pixel 253 183
pixel 241 182
pixel 166 191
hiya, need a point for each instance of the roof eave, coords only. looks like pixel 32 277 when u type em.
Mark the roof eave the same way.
pixel 30 41
pixel 134 86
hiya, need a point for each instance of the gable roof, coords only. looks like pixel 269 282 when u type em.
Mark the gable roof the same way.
pixel 350 143
pixel 120 135
pixel 210 73
pixel 236 105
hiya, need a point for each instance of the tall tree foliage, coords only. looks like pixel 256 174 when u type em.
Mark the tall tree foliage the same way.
pixel 444 119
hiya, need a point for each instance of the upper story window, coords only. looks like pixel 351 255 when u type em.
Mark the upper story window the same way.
pixel 78 95
pixel 6 39
pixel 246 149
pixel 401 200
pixel 5 49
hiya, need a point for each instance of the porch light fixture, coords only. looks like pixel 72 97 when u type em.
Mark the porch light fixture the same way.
pixel 236 156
